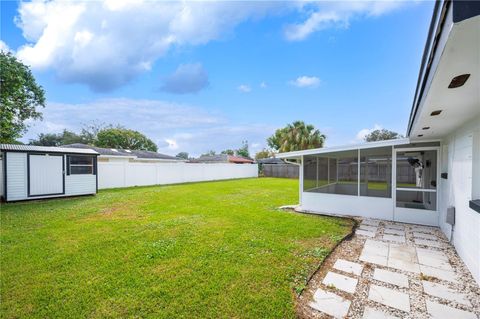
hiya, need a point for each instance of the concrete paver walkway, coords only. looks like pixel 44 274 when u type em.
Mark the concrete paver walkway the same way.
pixel 392 270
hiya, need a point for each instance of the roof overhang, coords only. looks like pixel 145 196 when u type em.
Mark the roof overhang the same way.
pixel 452 49
pixel 315 151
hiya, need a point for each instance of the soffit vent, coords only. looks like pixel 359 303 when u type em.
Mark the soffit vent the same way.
pixel 458 81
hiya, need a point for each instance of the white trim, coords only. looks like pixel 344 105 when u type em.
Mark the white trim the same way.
pixel 297 154
pixel 425 190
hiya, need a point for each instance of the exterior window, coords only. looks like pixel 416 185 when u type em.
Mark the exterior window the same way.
pixel 376 172
pixel 80 165
pixel 333 173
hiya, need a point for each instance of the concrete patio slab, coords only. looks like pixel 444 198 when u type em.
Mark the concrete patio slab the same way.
pixel 444 292
pixel 389 297
pixel 439 311
pixel 371 222
pixel 348 267
pixel 330 303
pixel 341 282
pixel 390 277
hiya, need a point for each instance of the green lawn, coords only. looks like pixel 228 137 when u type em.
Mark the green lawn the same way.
pixel 216 250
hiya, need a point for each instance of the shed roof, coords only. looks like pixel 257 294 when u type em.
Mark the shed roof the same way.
pixel 125 153
pixel 46 149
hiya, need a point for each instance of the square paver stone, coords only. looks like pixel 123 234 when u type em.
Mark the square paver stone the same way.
pixel 330 303
pixel 348 266
pixel 341 282
pixel 439 311
pixel 395 238
pixel 439 273
pixel 390 277
pixel 365 233
pixel 371 222
pixel 395 226
pixel 370 313
pixel 434 259
pixel 423 229
pixel 444 292
pixel 402 252
pixel 368 228
pixel 389 297
pixel 426 242
pixel 375 252
pixel 403 265
pixel 392 231
pixel 425 236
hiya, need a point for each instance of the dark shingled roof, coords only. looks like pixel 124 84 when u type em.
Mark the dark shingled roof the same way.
pixel 122 152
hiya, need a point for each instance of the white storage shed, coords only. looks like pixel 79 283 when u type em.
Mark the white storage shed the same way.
pixel 34 172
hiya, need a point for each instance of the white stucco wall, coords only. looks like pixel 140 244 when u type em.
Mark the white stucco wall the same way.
pixel 461 159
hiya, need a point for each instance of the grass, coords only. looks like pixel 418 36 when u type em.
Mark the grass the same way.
pixel 211 250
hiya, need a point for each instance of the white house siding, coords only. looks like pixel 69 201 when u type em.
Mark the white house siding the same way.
pixel 125 173
pixel 16 176
pixel 80 184
pixel 461 159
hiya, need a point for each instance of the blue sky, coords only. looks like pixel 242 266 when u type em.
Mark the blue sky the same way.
pixel 197 76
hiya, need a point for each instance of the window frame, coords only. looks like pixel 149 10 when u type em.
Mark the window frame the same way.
pixel 92 165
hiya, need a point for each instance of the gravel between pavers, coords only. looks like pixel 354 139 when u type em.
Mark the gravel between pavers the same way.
pixel 350 249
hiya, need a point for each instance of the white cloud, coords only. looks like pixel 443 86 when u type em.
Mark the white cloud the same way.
pixel 263 85
pixel 188 78
pixel 244 88
pixel 4 47
pixel 360 137
pixel 105 44
pixel 323 15
pixel 174 127
pixel 306 82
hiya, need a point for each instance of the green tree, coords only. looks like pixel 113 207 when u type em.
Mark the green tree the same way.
pixel 295 137
pixel 228 152
pixel 381 135
pixel 20 96
pixel 120 137
pixel 52 139
pixel 209 153
pixel 182 155
pixel 243 150
pixel 263 154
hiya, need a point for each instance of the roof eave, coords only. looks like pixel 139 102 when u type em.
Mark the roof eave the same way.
pixel 298 154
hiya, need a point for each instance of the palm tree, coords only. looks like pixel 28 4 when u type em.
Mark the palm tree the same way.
pixel 300 136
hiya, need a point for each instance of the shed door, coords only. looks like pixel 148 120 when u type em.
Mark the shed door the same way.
pixel 45 175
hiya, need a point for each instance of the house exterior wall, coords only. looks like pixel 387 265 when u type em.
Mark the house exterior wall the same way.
pixel 126 173
pixel 461 159
pixel 17 180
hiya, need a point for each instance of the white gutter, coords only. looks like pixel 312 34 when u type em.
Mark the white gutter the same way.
pixel 298 154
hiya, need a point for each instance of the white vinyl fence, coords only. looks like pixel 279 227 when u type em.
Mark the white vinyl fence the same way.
pixel 126 174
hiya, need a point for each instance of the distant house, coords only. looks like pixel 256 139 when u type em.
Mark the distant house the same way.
pixel 114 154
pixel 224 158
